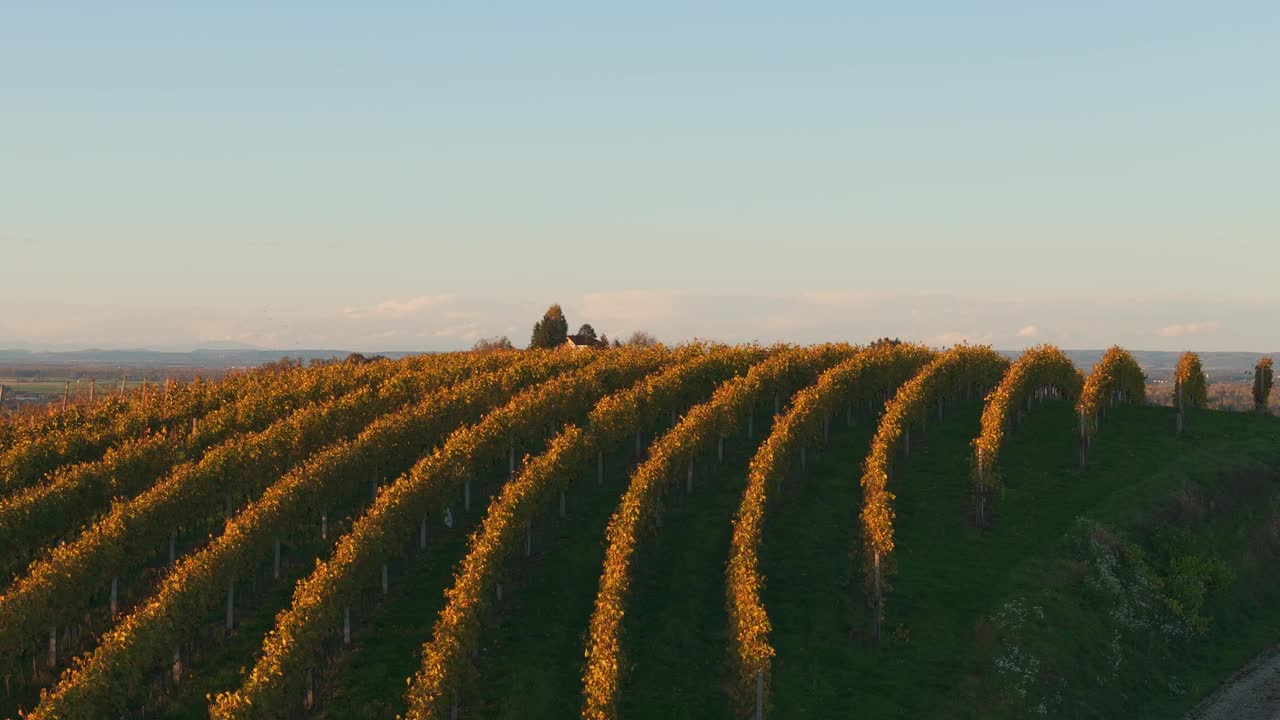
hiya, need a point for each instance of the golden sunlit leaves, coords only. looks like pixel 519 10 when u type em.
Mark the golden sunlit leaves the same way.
pixel 1115 378
pixel 445 657
pixel 1040 367
pixel 872 374
pixel 274 684
pixel 1190 388
pixel 785 370
pixel 59 586
pixel 954 371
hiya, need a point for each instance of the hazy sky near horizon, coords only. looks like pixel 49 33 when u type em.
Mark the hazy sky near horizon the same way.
pixel 418 175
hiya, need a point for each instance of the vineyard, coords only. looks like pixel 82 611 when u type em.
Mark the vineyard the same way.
pixel 703 531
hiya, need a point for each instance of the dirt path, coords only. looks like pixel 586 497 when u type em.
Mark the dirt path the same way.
pixel 1253 694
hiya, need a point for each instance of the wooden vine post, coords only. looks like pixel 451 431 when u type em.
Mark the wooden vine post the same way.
pixel 1084 442
pixel 760 694
pixel 231 604
pixel 1181 409
pixel 879 598
pixel 981 488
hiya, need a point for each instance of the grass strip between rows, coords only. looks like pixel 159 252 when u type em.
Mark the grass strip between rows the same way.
pixel 274 686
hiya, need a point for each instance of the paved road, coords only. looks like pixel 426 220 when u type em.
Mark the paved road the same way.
pixel 1253 695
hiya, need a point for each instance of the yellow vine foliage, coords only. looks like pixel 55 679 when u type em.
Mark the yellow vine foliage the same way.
pixel 1190 388
pixel 273 686
pixel 186 596
pixel 1042 366
pixel 1115 378
pixel 445 657
pixel 75 494
pixel 642 501
pixel 53 590
pixel 869 374
pixel 958 368
pixel 84 431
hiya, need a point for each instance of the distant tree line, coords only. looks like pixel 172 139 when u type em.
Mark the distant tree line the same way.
pixel 552 331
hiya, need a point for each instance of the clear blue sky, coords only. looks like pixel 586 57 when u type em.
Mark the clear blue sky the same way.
pixel 416 175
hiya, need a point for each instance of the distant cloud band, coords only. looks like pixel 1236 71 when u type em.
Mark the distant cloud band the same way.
pixel 1174 331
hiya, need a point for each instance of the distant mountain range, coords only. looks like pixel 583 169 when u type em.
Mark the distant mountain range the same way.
pixel 1158 364
pixel 214 357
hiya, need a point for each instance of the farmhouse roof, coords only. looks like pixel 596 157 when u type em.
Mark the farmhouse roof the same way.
pixel 582 341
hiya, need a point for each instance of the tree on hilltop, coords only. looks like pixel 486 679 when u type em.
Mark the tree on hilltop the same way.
pixel 492 344
pixel 640 338
pixel 551 330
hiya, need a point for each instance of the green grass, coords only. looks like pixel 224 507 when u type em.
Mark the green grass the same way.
pixel 531 666
pixel 948 579
pixel 815 602
pixel 1222 465
pixel 531 662
pixel 368 681
pixel 217 668
pixel 675 631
